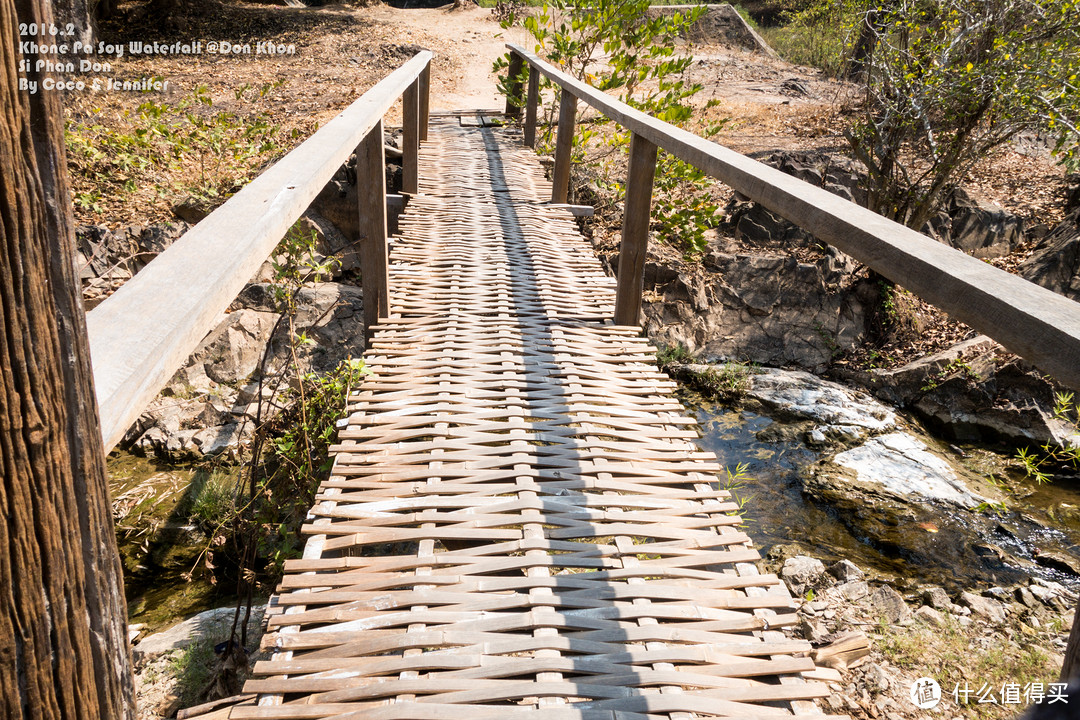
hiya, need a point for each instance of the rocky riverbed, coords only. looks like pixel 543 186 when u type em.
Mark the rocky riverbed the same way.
pixel 844 475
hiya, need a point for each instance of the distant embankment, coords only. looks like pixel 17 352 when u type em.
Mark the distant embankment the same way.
pixel 719 24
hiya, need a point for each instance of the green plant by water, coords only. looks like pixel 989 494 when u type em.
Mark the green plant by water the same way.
pixel 1040 466
pixel 253 520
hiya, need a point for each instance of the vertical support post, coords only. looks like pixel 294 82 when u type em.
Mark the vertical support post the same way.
pixel 371 197
pixel 425 97
pixel 410 141
pixel 530 107
pixel 513 109
pixel 560 176
pixel 635 231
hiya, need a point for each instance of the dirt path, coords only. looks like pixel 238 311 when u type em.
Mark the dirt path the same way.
pixel 469 37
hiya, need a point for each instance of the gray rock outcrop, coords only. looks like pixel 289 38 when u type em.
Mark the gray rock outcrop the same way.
pixel 211 404
pixel 977 226
pixel 900 465
pixel 1055 264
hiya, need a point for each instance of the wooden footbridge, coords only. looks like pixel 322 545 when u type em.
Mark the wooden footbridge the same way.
pixel 518 522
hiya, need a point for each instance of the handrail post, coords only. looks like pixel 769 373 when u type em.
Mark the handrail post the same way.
pixel 371 197
pixel 635 230
pixel 530 106
pixel 560 176
pixel 513 109
pixel 410 139
pixel 425 97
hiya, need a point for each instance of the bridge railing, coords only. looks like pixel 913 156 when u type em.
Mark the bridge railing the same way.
pixel 1031 321
pixel 143 333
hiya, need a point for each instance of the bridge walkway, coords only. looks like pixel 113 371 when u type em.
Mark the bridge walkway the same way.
pixel 518 522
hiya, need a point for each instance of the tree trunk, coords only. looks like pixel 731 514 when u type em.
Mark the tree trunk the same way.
pixel 63 619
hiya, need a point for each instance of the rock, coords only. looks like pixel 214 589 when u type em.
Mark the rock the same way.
pixel 192 209
pixel 812 630
pixel 801 395
pixel 890 605
pixel 846 571
pixel 930 616
pixel 1025 597
pixel 802 572
pixel 1042 594
pixel 207 407
pixel 983 607
pixel 1055 262
pixel 936 598
pixel 768 308
pixel 1072 192
pixel 215 440
pixel 876 679
pixel 1059 561
pixel 978 226
pixel 974 391
pixel 998 593
pixel 213 624
pixel 900 465
pixel 234 350
pixel 720 23
pixel 331 242
pixel 852 591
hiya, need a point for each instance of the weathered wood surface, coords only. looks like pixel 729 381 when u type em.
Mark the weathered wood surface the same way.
pixel 1033 322
pixel 371 206
pixel 635 230
pixel 564 143
pixel 410 138
pixel 64 652
pixel 518 522
pixel 141 335
pixel 531 105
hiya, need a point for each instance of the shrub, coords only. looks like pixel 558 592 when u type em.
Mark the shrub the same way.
pixel 615 46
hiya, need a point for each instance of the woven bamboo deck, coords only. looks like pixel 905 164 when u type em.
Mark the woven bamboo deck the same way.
pixel 518 522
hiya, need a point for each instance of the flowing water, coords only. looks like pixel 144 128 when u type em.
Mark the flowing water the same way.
pixel 920 545
pixel 158 545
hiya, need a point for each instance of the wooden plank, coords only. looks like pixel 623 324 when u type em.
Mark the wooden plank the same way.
pixel 425 101
pixel 635 230
pixel 145 331
pixel 513 108
pixel 517 513
pixel 1033 322
pixel 371 175
pixel 564 141
pixel 531 103
pixel 410 139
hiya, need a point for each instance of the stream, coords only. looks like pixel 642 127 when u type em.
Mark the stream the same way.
pixel 923 544
pixel 158 544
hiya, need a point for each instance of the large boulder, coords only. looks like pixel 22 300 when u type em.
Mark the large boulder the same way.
pixel 972 391
pixel 210 405
pixel 106 259
pixel 901 465
pixel 978 226
pixel 766 308
pixel 1055 263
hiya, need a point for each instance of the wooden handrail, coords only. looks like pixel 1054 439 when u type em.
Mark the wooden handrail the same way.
pixel 1031 321
pixel 143 333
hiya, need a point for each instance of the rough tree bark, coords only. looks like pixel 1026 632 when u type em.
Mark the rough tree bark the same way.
pixel 63 632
